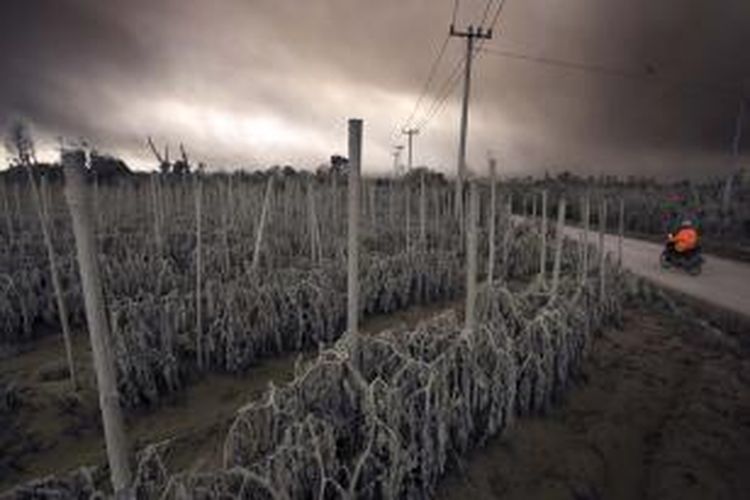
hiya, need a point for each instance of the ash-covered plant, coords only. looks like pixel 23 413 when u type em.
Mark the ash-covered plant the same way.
pixel 253 317
pixel 384 416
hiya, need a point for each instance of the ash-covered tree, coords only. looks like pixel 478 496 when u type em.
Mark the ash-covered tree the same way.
pixel 19 144
pixel 106 167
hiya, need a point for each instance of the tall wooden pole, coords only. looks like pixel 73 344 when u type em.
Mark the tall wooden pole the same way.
pixel 352 282
pixel 315 251
pixel 507 235
pixel 559 237
pixel 422 212
pixel 199 271
pixel 372 190
pixel 42 211
pixel 6 211
pixel 407 204
pixel 225 215
pixel 436 218
pixel 620 231
pixel 158 230
pixel 96 316
pixel 586 214
pixel 471 257
pixel 602 251
pixel 262 225
pixel 492 221
pixel 335 223
pixel 543 239
pixel 62 309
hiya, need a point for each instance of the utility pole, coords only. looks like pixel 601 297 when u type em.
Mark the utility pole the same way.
pixel 410 132
pixel 470 34
pixel 397 160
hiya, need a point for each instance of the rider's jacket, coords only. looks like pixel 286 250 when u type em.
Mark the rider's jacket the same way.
pixel 685 239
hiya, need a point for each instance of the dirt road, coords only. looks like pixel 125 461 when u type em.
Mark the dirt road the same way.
pixel 723 283
pixel 657 415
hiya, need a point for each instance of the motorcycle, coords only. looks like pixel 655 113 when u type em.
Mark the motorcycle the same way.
pixel 691 261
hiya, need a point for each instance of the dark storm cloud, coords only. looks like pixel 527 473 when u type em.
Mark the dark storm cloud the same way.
pixel 678 104
pixel 49 46
pixel 255 81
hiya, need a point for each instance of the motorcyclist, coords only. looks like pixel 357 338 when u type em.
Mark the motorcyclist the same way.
pixel 684 241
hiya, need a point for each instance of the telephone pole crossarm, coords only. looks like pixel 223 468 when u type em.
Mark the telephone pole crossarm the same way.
pixel 472 32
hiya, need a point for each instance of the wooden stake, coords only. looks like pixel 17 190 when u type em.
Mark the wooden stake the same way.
pixel 471 257
pixel 559 237
pixel 492 221
pixel 315 250
pixel 422 212
pixel 602 251
pixel 372 190
pixel 225 205
pixel 507 234
pixel 96 316
pixel 7 212
pixel 543 239
pixel 407 195
pixel 355 158
pixel 158 230
pixel 586 214
pixel 620 232
pixel 62 310
pixel 199 270
pixel 261 225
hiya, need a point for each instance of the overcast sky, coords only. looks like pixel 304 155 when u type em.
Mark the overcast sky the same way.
pixel 256 82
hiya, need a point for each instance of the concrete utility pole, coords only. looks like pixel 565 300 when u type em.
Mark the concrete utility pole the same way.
pixel 470 34
pixel 410 133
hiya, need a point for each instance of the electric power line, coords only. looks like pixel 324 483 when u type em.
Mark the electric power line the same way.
pixel 442 96
pixel 495 18
pixel 430 78
pixel 486 11
pixel 648 74
pixel 454 78
pixel 497 14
